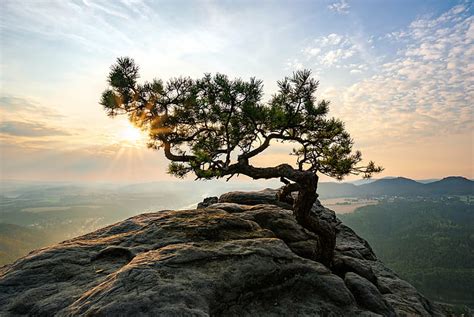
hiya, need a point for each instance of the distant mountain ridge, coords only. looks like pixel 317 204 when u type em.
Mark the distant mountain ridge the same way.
pixel 398 186
pixel 387 186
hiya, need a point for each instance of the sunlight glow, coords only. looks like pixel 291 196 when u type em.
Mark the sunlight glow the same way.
pixel 132 135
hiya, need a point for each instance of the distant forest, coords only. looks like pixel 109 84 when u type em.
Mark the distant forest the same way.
pixel 428 243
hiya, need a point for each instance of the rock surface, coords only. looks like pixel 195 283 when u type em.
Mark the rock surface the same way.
pixel 242 256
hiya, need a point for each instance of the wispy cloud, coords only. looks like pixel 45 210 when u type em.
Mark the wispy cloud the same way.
pixel 92 25
pixel 26 122
pixel 424 92
pixel 341 7
pixel 334 50
pixel 13 106
pixel 29 129
pixel 294 64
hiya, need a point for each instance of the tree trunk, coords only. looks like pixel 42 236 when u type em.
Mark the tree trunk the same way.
pixel 302 210
pixel 306 183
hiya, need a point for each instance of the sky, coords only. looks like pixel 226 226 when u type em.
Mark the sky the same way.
pixel 399 73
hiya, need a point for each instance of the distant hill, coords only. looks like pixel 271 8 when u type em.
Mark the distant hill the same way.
pixel 453 185
pixel 399 186
pixel 330 190
pixel 17 241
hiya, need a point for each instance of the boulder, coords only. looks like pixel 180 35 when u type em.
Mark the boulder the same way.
pixel 207 201
pixel 266 196
pixel 367 295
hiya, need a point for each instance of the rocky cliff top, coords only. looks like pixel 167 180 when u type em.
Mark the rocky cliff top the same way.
pixel 241 255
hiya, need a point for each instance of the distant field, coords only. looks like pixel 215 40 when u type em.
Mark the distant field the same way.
pixel 59 208
pixel 346 205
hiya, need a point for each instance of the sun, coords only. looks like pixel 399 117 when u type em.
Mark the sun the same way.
pixel 131 134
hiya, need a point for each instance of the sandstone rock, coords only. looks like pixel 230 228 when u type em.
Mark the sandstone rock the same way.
pixel 350 244
pixel 358 255
pixel 367 295
pixel 343 264
pixel 266 196
pixel 243 256
pixel 207 201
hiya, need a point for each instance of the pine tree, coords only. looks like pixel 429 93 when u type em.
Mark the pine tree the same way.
pixel 213 127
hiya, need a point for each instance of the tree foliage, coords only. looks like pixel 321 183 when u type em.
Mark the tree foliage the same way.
pixel 213 126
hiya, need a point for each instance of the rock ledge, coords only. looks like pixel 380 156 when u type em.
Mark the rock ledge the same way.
pixel 243 255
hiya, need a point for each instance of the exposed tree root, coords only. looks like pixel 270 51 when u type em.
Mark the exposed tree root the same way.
pixel 302 210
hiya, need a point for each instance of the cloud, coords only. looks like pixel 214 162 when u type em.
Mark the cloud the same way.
pixel 89 24
pixel 140 27
pixel 22 118
pixel 425 92
pixel 294 64
pixel 396 35
pixel 332 39
pixel 312 51
pixel 341 7
pixel 17 105
pixel 29 129
pixel 334 56
pixel 330 50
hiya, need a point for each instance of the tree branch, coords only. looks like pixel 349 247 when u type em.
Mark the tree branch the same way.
pixel 176 158
pixel 282 170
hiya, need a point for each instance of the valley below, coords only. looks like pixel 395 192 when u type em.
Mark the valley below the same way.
pixel 345 205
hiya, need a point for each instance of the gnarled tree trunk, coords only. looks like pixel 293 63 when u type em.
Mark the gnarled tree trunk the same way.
pixel 305 183
pixel 306 186
pixel 302 210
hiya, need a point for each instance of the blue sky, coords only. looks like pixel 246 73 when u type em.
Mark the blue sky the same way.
pixel 398 72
